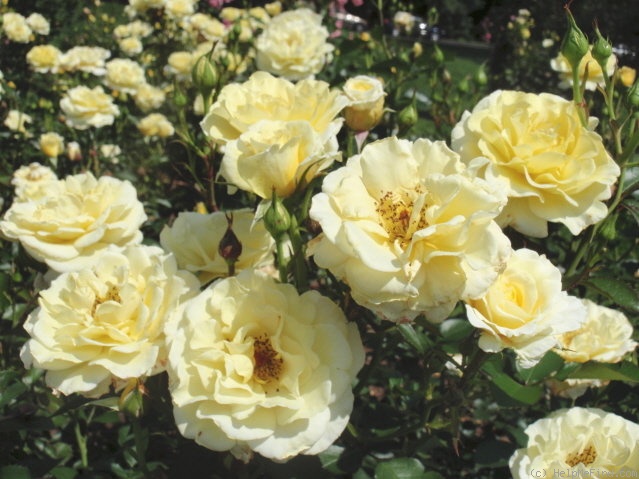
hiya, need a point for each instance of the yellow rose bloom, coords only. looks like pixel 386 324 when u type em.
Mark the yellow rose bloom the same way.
pixel 553 168
pixel 294 45
pixel 256 367
pixel 105 323
pixel 16 28
pixel 193 238
pixel 85 58
pixel 579 441
pixel 366 107
pixel 156 124
pixel 606 337
pixel 38 24
pixel 148 97
pixel 525 309
pixel 124 75
pixel 44 58
pixel 86 107
pixel 410 229
pixel 627 76
pixel 51 144
pixel 595 74
pixel 33 181
pixel 77 220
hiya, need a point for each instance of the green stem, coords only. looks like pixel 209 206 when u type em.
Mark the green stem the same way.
pixel 141 444
pixel 282 262
pixel 577 95
pixel 299 262
pixel 82 444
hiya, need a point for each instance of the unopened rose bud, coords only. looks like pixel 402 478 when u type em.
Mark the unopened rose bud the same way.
pixel 627 76
pixel 407 117
pixel 366 107
pixel 204 75
pixel 179 97
pixel 51 144
pixel 277 219
pixel 131 401
pixel 601 50
pixel 437 55
pixel 74 153
pixel 480 76
pixel 230 247
pixel 574 45
pixel 633 95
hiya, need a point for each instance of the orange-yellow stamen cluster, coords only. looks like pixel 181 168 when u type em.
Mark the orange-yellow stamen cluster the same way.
pixel 267 361
pixel 585 457
pixel 397 215
pixel 113 294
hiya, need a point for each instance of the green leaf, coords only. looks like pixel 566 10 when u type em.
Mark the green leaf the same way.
pixel 14 472
pixel 12 392
pixel 618 291
pixel 400 468
pixel 63 472
pixel 550 363
pixel 520 393
pixel 456 329
pixel 632 205
pixel 493 453
pixel 625 371
pixel 338 460
pixel 416 339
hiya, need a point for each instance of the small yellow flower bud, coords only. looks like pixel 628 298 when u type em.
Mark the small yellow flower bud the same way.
pixel 627 76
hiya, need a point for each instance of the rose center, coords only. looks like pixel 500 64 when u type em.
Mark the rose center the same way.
pixel 112 294
pixel 401 216
pixel 267 362
pixel 585 457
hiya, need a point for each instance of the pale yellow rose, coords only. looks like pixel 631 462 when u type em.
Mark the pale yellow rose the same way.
pixel 86 107
pixel 366 106
pixel 76 220
pixel 277 155
pixel 193 238
pixel 156 124
pixel 255 366
pixel 265 97
pixel 105 323
pixel 294 45
pixel 136 28
pixel 38 24
pixel 131 46
pixel 595 74
pixel 410 229
pixel 124 75
pixel 86 59
pixel 148 97
pixel 209 27
pixel 51 144
pixel 525 309
pixel 17 121
pixel 16 28
pixel 605 337
pixel 627 76
pixel 273 8
pixel 554 169
pixel 177 9
pixel 404 22
pixel 111 152
pixel 179 64
pixel 74 152
pixel 33 181
pixel 44 58
pixel 579 442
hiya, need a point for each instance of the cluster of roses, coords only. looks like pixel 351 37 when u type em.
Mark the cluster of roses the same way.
pixel 411 227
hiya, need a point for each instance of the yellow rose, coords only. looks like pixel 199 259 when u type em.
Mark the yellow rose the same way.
pixel 136 28
pixel 38 24
pixel 86 59
pixel 579 441
pixel 44 58
pixel 16 28
pixel 209 27
pixel 124 75
pixel 293 45
pixel 178 9
pixel 525 309
pixel 179 64
pixel 194 238
pixel 265 97
pixel 148 97
pixel 76 221
pixel 17 121
pixel 33 181
pixel 606 337
pixel 595 74
pixel 553 168
pixel 404 22
pixel 409 229
pixel 105 323
pixel 277 155
pixel 273 8
pixel 627 76
pixel 131 46
pixel 255 366
pixel 366 107
pixel 86 107
pixel 51 144
pixel 156 124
